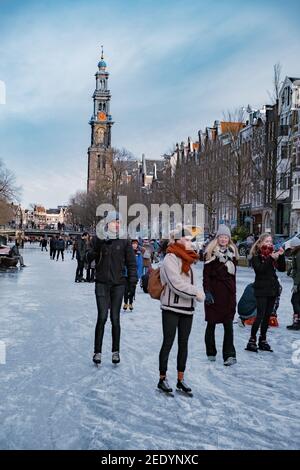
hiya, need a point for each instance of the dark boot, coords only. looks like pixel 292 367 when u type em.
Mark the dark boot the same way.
pixel 251 346
pixel 181 385
pixel 164 386
pixel 97 358
pixel 296 322
pixel 263 345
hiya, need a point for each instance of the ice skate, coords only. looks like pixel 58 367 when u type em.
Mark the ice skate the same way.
pixel 263 345
pixel 115 357
pixel 97 359
pixel 184 388
pixel 164 387
pixel 230 361
pixel 252 346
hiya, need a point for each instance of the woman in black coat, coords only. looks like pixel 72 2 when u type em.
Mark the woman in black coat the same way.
pixel 265 261
pixel 219 285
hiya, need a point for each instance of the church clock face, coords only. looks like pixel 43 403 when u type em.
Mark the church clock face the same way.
pixel 101 116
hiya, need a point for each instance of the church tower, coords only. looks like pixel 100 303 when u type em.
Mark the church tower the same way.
pixel 100 122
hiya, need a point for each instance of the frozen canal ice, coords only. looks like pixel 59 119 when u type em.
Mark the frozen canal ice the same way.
pixel 52 397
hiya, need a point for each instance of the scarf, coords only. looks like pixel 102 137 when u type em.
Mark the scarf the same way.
pixel 224 255
pixel 188 257
pixel 266 250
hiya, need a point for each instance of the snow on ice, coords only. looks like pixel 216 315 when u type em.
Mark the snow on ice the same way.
pixel 53 397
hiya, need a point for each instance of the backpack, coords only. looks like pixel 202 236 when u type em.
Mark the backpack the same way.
pixel 155 287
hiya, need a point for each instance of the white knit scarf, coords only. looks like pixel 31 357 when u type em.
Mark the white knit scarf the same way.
pixel 224 255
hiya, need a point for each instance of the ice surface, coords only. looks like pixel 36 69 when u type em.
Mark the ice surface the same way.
pixel 52 397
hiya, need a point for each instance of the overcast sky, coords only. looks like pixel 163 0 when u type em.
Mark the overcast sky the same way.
pixel 175 67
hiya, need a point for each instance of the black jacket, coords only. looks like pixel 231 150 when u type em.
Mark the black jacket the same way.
pixel 266 282
pixel 112 257
pixel 81 249
pixel 60 244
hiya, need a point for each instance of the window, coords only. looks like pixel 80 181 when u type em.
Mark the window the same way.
pixel 296 190
pixel 284 182
pixel 284 151
pixel 98 162
pixel 298 154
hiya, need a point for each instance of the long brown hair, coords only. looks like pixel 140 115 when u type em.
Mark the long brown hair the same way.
pixel 256 247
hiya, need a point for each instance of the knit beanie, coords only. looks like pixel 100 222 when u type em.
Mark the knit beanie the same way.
pixel 223 230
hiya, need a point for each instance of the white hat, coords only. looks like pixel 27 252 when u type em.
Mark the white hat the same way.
pixel 223 230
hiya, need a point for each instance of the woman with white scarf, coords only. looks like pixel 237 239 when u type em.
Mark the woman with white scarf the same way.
pixel 219 282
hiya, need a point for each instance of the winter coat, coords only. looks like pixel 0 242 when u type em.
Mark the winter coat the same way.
pixel 179 294
pixel 266 282
pixel 112 257
pixel 14 251
pixel 60 244
pixel 296 268
pixel 222 286
pixel 81 249
pixel 247 303
pixel 44 242
pixel 52 243
pixel 139 263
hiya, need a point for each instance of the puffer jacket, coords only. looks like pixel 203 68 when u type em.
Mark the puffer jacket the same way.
pixel 112 257
pixel 179 294
pixel 266 282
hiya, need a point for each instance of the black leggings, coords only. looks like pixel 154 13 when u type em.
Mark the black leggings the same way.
pixel 296 302
pixel 108 297
pixel 79 270
pixel 210 343
pixel 171 321
pixel 265 307
pixel 62 254
pixel 129 294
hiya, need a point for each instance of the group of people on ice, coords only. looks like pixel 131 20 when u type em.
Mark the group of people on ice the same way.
pixel 118 268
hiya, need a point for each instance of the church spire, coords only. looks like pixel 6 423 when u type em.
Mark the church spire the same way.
pixel 102 64
pixel 101 123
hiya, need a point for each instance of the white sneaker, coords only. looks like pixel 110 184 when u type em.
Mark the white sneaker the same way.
pixel 230 361
pixel 211 358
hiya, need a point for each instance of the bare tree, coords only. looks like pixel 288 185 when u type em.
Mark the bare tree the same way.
pixel 236 161
pixel 8 189
pixel 9 192
pixel 276 82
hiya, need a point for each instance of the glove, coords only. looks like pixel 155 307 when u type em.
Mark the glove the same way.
pixel 294 289
pixel 209 300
